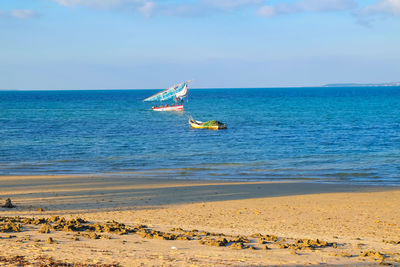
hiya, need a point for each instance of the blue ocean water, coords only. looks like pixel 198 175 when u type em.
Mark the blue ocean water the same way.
pixel 349 135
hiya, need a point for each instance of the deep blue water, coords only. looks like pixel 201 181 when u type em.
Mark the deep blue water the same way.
pixel 349 135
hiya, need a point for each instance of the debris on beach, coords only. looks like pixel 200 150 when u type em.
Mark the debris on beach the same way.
pixel 234 242
pixel 220 242
pixel 17 260
pixel 264 239
pixel 239 239
pixel 8 204
pixel 147 233
pixel 50 240
pixel 96 230
pixel 8 226
pixel 45 228
pixel 343 254
pixel 91 235
pixel 238 245
pixel 392 242
pixel 374 255
pixel 308 244
pixel 45 261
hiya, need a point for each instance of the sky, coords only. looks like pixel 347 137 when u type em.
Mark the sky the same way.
pixel 149 44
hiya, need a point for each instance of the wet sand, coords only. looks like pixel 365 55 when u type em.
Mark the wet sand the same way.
pixel 353 224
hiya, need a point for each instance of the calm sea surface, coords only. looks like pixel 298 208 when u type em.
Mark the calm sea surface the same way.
pixel 349 135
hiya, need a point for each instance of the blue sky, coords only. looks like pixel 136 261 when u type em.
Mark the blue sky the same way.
pixel 127 44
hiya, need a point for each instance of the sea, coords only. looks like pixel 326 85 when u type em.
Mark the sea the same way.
pixel 319 134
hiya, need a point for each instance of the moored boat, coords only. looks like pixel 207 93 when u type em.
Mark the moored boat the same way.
pixel 211 125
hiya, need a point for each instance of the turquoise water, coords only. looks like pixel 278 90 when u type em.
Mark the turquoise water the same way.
pixel 349 135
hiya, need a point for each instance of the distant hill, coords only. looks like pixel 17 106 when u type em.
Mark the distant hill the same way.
pixel 361 84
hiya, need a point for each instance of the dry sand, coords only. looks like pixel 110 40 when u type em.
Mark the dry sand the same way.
pixel 361 224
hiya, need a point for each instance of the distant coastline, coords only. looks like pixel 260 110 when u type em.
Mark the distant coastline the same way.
pixel 361 84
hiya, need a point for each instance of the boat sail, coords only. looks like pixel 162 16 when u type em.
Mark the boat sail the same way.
pixel 177 93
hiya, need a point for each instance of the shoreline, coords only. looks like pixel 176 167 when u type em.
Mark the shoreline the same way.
pixel 155 174
pixel 358 218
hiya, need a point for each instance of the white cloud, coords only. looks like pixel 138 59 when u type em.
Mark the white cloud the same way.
pixel 326 5
pixel 231 4
pixel 23 13
pixel 307 6
pixel 211 7
pixel 144 7
pixel 382 7
pixel 171 8
pixel 147 9
pixel 267 11
pixel 201 8
pixel 104 4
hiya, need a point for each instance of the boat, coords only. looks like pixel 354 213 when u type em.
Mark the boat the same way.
pixel 176 93
pixel 212 125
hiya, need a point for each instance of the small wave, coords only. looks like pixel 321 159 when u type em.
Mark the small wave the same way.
pixel 351 175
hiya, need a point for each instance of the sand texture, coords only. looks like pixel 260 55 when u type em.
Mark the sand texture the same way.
pixel 112 220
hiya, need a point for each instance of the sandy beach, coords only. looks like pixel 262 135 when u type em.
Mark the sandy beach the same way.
pixel 195 223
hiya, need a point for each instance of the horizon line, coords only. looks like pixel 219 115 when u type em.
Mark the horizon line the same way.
pixel 127 89
pixel 384 84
